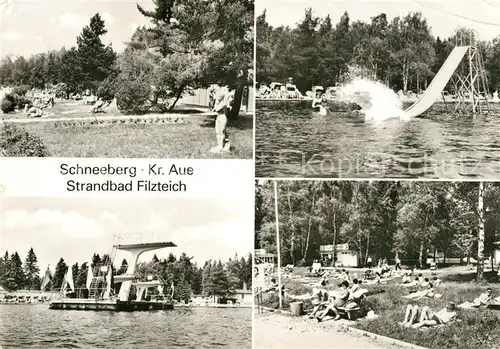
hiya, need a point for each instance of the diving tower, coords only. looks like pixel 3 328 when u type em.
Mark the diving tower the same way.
pixel 100 279
pixel 135 250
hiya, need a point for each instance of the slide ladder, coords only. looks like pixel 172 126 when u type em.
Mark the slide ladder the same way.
pixel 438 84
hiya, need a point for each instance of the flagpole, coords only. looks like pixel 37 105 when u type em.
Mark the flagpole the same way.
pixel 1 218
pixel 278 243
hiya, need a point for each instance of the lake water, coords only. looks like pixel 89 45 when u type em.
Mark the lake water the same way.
pixel 36 326
pixel 293 141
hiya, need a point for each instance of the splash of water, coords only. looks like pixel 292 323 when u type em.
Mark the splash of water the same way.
pixel 377 100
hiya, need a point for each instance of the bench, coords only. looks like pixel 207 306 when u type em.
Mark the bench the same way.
pixel 352 309
pixel 351 313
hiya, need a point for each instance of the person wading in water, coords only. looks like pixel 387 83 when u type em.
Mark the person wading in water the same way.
pixel 317 104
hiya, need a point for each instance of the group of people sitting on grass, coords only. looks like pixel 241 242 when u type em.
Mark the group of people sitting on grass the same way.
pixel 420 287
pixel 340 274
pixel 345 297
pixel 36 105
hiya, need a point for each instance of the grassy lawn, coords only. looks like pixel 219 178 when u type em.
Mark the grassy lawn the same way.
pixel 187 136
pixel 191 138
pixel 478 328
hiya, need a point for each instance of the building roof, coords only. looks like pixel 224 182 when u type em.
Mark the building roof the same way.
pixel 266 255
pixel 338 248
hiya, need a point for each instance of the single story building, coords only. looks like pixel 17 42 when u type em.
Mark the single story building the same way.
pixel 344 257
pixel 244 298
pixel 262 257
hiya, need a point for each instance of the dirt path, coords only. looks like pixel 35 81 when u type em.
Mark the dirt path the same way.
pixel 273 331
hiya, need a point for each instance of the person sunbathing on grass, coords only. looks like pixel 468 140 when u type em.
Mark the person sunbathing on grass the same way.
pixel 343 275
pixel 323 282
pixel 406 278
pixel 429 319
pixel 429 292
pixel 35 112
pixel 413 283
pixel 482 301
pixel 436 281
pixel 339 299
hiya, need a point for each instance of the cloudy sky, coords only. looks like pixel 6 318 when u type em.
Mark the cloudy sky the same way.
pixel 75 228
pixel 439 13
pixel 34 26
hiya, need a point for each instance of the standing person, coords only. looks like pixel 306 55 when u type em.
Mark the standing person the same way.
pixel 369 262
pixel 398 264
pixel 223 102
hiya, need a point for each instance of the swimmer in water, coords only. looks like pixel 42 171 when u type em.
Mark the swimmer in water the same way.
pixel 317 104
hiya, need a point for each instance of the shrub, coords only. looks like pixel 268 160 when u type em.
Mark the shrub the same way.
pixel 61 90
pixel 21 101
pixel 132 97
pixel 134 82
pixel 17 142
pixel 20 90
pixel 107 89
pixel 8 103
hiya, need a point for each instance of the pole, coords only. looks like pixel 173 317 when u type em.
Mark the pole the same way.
pixel 278 243
pixel 1 218
pixel 471 72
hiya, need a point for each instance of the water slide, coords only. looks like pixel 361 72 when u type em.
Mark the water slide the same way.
pixel 439 82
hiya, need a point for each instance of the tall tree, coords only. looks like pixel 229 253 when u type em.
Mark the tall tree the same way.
pixel 75 270
pixel 14 276
pixel 480 233
pixel 31 271
pixel 176 49
pixel 58 277
pixel 95 59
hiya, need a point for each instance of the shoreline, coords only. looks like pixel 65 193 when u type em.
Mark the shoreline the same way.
pixel 225 306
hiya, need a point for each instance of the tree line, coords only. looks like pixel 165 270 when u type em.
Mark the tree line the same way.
pixel 214 278
pixel 402 52
pixel 84 66
pixel 189 44
pixel 413 220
